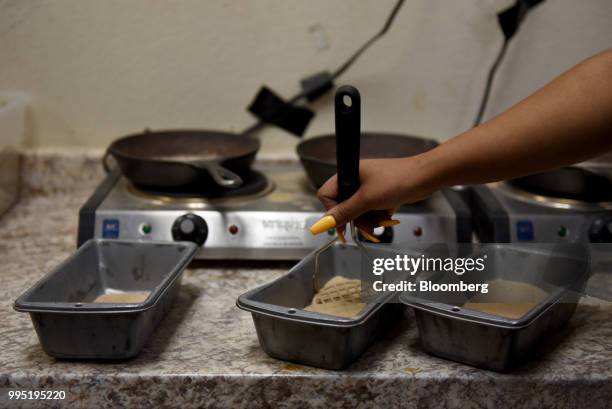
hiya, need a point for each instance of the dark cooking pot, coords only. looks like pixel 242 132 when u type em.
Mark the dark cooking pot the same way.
pixel 318 155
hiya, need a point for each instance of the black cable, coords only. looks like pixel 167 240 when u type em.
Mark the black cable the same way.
pixel 509 21
pixel 371 41
pixel 346 65
pixel 490 78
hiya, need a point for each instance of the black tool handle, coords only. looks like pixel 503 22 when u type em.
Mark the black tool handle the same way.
pixel 347 104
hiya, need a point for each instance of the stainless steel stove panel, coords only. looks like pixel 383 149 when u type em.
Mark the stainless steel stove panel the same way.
pixel 273 226
pixel 540 219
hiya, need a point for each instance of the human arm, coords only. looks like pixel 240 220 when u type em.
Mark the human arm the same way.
pixel 567 121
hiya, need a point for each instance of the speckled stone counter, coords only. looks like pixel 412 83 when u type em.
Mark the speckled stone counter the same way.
pixel 205 352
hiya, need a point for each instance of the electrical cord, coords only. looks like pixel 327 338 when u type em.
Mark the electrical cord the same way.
pixel 509 21
pixel 490 77
pixel 344 67
pixel 371 41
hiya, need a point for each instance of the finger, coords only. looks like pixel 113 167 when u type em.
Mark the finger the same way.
pixel 369 236
pixel 340 214
pixel 388 223
pixel 328 193
pixel 348 210
pixel 340 234
pixel 365 223
pixel 372 219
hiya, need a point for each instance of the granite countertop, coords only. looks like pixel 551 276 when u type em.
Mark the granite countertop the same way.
pixel 205 352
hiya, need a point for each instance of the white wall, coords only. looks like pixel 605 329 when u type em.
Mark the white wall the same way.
pixel 101 69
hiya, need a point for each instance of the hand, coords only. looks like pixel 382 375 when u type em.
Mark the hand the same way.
pixel 386 184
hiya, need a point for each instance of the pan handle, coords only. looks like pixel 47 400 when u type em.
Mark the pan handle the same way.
pixel 223 176
pixel 105 164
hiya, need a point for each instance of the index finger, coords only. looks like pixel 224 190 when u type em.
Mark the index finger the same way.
pixel 328 193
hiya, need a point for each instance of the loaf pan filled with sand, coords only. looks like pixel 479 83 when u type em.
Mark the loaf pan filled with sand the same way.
pixel 105 300
pixel 329 329
pixel 532 292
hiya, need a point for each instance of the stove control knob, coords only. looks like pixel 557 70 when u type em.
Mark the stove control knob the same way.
pixel 190 227
pixel 601 229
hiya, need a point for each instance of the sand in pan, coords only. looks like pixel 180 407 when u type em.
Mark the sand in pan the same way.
pixel 508 299
pixel 134 297
pixel 340 297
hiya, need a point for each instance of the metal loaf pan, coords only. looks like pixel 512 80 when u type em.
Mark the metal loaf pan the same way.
pixel 286 332
pixel 70 325
pixel 490 341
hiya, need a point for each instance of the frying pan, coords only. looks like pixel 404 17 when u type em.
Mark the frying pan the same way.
pixel 568 183
pixel 184 158
pixel 318 155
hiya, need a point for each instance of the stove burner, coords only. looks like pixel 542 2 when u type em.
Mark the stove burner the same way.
pixel 510 190
pixel 255 184
pixel 570 183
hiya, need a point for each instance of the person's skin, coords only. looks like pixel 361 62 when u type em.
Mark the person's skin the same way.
pixel 567 121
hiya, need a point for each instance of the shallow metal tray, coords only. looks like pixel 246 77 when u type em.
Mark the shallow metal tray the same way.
pixel 493 342
pixel 286 332
pixel 70 325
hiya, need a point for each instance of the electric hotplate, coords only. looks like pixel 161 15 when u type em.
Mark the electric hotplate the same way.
pixel 503 212
pixel 268 221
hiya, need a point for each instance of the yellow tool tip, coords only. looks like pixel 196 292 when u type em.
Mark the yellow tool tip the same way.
pixel 323 224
